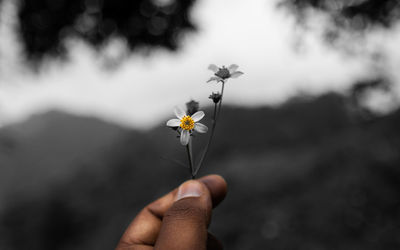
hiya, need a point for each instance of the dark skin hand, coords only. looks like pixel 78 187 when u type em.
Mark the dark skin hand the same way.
pixel 178 220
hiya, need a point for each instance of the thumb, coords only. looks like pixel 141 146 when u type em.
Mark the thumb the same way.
pixel 184 225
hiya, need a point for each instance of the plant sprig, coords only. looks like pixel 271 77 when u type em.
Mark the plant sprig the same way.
pixel 187 123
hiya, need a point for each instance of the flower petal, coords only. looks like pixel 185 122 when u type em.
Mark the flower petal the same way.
pixel 179 112
pixel 173 123
pixel 214 78
pixel 233 68
pixel 236 74
pixel 201 128
pixel 213 68
pixel 185 137
pixel 198 116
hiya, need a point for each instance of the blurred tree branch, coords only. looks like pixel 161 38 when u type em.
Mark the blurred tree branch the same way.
pixel 345 17
pixel 354 14
pixel 349 22
pixel 146 23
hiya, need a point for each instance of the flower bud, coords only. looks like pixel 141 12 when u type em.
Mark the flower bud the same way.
pixel 216 97
pixel 192 107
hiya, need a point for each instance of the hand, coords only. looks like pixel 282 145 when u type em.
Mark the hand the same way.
pixel 178 220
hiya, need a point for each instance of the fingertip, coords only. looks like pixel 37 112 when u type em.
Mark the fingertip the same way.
pixel 190 188
pixel 217 187
pixel 195 189
pixel 187 218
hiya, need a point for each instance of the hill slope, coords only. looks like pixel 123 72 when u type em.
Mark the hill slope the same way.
pixel 306 175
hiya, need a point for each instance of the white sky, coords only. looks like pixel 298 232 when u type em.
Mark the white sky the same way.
pixel 142 91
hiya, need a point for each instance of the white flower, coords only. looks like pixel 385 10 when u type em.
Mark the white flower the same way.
pixel 222 74
pixel 187 124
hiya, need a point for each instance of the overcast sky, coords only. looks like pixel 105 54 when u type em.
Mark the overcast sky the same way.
pixel 143 90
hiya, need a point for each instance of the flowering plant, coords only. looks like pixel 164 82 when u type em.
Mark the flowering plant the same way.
pixel 187 123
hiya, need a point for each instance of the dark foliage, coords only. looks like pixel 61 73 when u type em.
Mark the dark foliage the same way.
pixel 46 23
pixel 354 18
pixel 357 15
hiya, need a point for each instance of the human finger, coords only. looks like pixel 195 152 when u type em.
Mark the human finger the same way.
pixel 185 223
pixel 144 229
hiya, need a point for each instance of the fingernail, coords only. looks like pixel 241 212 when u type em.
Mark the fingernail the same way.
pixel 189 189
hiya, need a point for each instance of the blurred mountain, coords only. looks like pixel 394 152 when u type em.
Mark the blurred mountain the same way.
pixel 51 147
pixel 309 174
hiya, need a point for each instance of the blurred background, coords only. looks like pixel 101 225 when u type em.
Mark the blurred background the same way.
pixel 308 141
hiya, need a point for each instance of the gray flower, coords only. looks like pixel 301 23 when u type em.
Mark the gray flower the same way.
pixel 223 73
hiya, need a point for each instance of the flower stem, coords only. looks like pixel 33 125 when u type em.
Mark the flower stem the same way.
pixel 214 124
pixel 190 158
pixel 222 96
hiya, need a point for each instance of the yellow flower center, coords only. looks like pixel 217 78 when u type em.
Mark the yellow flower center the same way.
pixel 187 123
